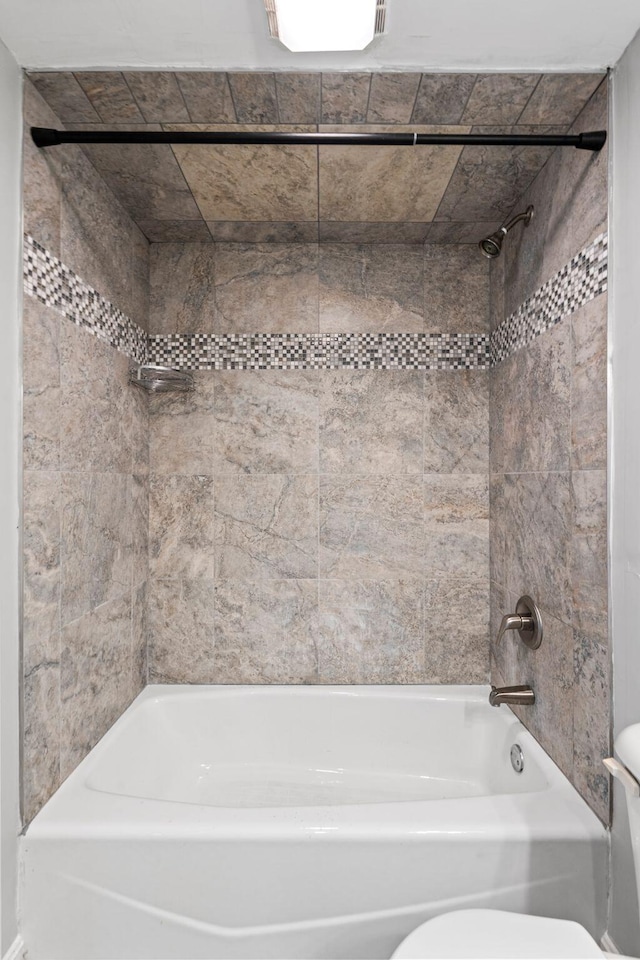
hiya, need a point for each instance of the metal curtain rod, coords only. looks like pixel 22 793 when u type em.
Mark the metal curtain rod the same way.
pixel 592 140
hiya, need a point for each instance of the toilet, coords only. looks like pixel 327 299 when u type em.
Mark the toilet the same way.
pixel 497 933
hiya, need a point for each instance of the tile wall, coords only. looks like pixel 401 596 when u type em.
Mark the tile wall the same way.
pixel 85 475
pixel 319 525
pixel 548 474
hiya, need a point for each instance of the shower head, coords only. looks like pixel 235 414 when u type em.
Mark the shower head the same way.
pixel 491 246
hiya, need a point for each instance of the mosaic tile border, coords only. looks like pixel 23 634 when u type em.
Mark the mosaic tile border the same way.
pixel 51 282
pixel 349 351
pixel 581 280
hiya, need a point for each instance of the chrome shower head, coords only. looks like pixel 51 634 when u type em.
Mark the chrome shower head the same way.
pixel 491 246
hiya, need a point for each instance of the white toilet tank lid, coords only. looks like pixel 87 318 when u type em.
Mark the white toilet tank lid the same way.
pixel 497 934
pixel 628 748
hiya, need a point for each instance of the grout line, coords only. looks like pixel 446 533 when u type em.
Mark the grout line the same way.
pixel 529 98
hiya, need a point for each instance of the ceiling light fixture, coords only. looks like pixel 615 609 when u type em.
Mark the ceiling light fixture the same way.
pixel 306 26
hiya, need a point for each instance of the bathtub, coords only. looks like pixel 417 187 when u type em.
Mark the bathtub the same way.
pixel 302 822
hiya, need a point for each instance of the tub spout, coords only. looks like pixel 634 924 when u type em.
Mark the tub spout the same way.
pixel 517 695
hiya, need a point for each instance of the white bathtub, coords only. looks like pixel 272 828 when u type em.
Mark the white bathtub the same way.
pixel 230 822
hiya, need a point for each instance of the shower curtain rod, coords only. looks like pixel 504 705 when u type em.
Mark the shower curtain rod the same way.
pixel 592 140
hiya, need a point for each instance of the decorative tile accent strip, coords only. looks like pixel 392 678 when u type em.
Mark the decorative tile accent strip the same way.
pixel 581 280
pixel 47 278
pixel 351 351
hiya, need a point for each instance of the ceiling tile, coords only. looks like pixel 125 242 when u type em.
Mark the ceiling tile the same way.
pixel 254 96
pixel 207 97
pixel 111 97
pixel 158 96
pixel 499 97
pixel 262 182
pixel 245 231
pixel 392 97
pixel 65 96
pixel 375 184
pixel 298 97
pixel 559 97
pixel 175 231
pixel 338 232
pixel 442 97
pixel 345 97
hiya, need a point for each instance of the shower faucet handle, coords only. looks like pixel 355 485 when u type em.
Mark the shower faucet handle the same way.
pixel 527 620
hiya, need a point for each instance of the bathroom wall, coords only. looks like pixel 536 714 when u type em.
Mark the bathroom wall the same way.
pixel 549 462
pixel 85 462
pixel 318 525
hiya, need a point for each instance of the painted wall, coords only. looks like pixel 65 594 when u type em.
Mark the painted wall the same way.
pixel 319 525
pixel 10 286
pixel 624 404
pixel 548 474
pixel 85 474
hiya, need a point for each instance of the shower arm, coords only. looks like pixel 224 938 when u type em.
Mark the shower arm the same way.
pixel 591 140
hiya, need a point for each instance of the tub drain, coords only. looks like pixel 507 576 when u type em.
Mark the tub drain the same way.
pixel 517 758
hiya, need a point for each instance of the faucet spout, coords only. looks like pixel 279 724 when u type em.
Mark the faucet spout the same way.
pixel 519 695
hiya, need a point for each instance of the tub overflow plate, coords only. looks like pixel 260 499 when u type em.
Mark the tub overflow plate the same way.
pixel 517 758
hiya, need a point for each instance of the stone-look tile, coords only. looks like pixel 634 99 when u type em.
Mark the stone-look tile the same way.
pixel 139 529
pixel 345 97
pixel 182 428
pixel 589 386
pixel 266 631
pixel 138 309
pixel 333 231
pixel 371 631
pixel 461 268
pixel 139 636
pixel 589 577
pixel 473 232
pixel 453 652
pixel 254 96
pixel 65 96
pixel 41 180
pixel 500 603
pixel 371 528
pixel 498 530
pixel 180 630
pixel 266 527
pixel 97 556
pixel 392 97
pixel 488 182
pixel 266 421
pixel 255 231
pixel 41 564
pixel 497 293
pixel 559 97
pixel 375 184
pixel 266 288
pixel 456 421
pixel 136 422
pixel 175 231
pixel 591 723
pixel 181 527
pixel 95 684
pixel 570 198
pixel 442 97
pixel 41 386
pixel 110 96
pixel 538 525
pixel 355 437
pixel 182 288
pixel 251 182
pixel 157 96
pixel 298 97
pixel 207 96
pixel 371 288
pixel 41 735
pixel 456 531
pixel 501 98
pixel 531 396
pixel 146 178
pixel 95 407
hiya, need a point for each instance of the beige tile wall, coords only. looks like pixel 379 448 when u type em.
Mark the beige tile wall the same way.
pixel 85 497
pixel 548 475
pixel 319 526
